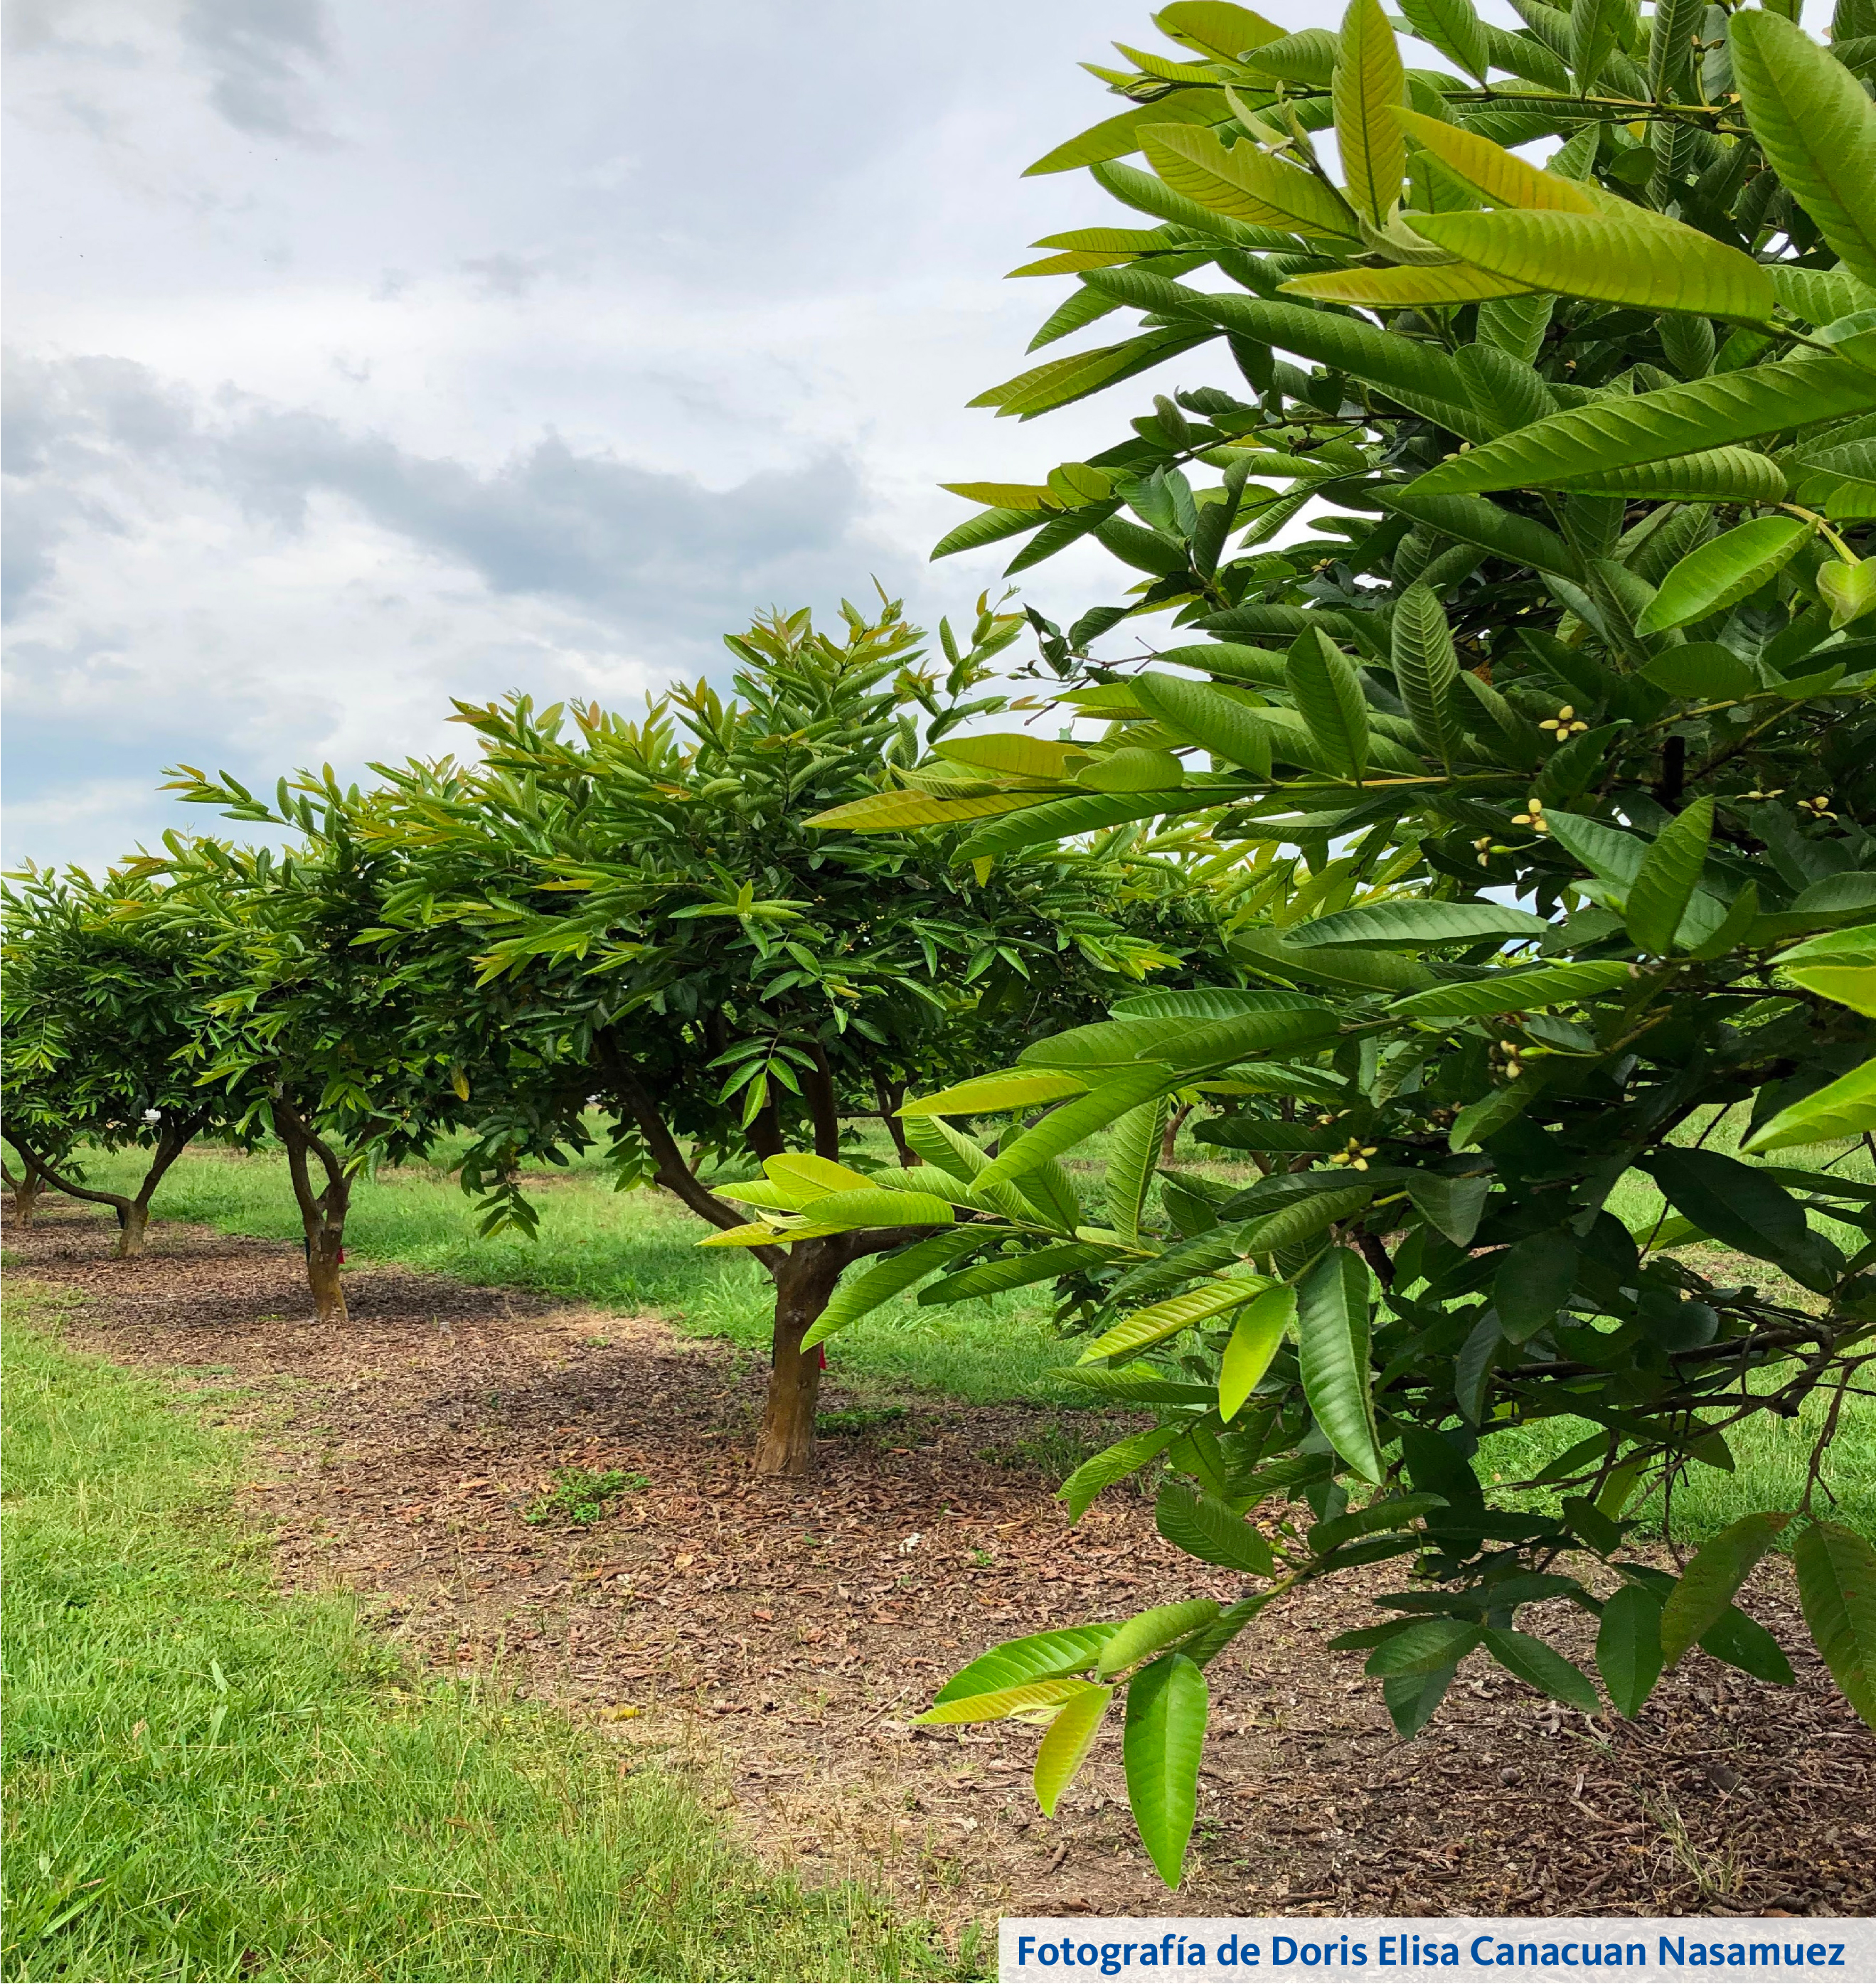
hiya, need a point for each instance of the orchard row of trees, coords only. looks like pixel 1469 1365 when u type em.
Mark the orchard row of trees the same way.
pixel 1512 835
pixel 597 914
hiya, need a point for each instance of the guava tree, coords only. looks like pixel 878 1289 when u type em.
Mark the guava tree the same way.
pixel 104 1023
pixel 1562 719
pixel 638 914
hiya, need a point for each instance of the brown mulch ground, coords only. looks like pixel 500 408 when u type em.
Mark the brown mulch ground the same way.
pixel 773 1641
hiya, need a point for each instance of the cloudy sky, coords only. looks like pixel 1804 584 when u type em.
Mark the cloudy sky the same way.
pixel 360 356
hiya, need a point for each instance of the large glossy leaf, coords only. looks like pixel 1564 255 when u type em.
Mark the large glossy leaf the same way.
pixel 1056 819
pixel 1628 1647
pixel 1003 1703
pixel 1114 1463
pixel 1015 753
pixel 1161 1320
pixel 1244 183
pixel 1837 1587
pixel 1066 1742
pixel 1216 27
pixel 1716 475
pixel 1542 1667
pixel 1670 871
pixel 1704 1590
pixel 1369 85
pixel 1401 286
pixel 1817 127
pixel 1839 481
pixel 1147 1633
pixel 1508 179
pixel 1012 1271
pixel 1204 1527
pixel 1685 419
pixel 1255 1336
pixel 1167 1706
pixel 1840 965
pixel 1845 1108
pixel 1648 264
pixel 1328 693
pixel 893 813
pixel 1064 1128
pixel 1523 991
pixel 897 1272
pixel 1736 1203
pixel 854 1210
pixel 1722 571
pixel 991 1095
pixel 1475 521
pixel 1225 725
pixel 1454 28
pixel 1409 925
pixel 1114 137
pixel 1426 671
pixel 1332 1332
pixel 1133 1152
pixel 1178 1042
pixel 1041 1657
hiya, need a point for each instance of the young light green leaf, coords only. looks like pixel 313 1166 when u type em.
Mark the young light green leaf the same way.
pixel 1327 692
pixel 1817 129
pixel 866 1293
pixel 1202 1526
pixel 1722 571
pixel 1147 1633
pixel 1685 419
pixel 1255 1336
pixel 1062 1128
pixel 1245 183
pixel 893 813
pixel 1114 1463
pixel 1648 263
pixel 1542 1667
pixel 1837 1587
pixel 1133 1152
pixel 1041 1657
pixel 1629 1648
pixel 1426 669
pixel 1161 1320
pixel 1003 1703
pixel 1669 873
pixel 1453 27
pixel 1369 85
pixel 1215 27
pixel 1333 1339
pixel 1845 1108
pixel 1401 286
pixel 1508 179
pixel 1114 137
pixel 1066 1743
pixel 1167 1707
pixel 1704 1590
pixel 855 1211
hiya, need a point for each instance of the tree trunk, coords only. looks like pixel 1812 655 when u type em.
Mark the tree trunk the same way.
pixel 26 1189
pixel 1170 1139
pixel 806 1280
pixel 324 1252
pixel 133 1220
pixel 322 1213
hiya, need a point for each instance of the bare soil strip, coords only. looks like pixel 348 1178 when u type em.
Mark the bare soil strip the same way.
pixel 775 1640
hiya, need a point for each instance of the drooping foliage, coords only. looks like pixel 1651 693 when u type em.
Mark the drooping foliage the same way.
pixel 1554 745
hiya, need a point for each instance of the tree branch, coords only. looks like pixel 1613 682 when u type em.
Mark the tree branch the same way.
pixel 116 1200
pixel 824 1100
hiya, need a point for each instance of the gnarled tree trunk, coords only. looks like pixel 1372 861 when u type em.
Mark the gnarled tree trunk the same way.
pixel 805 1282
pixel 322 1210
pixel 25 1185
pixel 133 1221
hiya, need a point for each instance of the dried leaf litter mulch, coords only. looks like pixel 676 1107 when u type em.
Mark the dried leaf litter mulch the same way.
pixel 773 1641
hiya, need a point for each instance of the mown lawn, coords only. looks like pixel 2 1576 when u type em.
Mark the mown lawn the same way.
pixel 206 1780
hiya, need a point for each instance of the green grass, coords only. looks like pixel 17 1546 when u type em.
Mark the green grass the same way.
pixel 206 1780
pixel 631 1252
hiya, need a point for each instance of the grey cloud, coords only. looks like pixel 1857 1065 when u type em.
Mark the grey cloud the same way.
pixel 258 52
pixel 505 275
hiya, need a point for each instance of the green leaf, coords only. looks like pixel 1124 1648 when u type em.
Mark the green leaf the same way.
pixel 893 813
pixel 1648 263
pixel 1066 1743
pixel 1288 1019
pixel 1041 1657
pixel 1738 1641
pixel 1722 571
pixel 1532 1282
pixel 1220 721
pixel 1204 1527
pixel 1328 692
pixel 1837 1587
pixel 853 1210
pixel 992 1094
pixel 1215 27
pixel 1517 540
pixel 1453 1206
pixel 1506 179
pixel 1114 1463
pixel 1000 1705
pixel 987 528
pixel 1332 1340
pixel 1426 1646
pixel 1255 1336
pixel 1411 1698
pixel 1291 1226
pixel 1685 419
pixel 1410 926
pixel 1486 1114
pixel 1523 991
pixel 1065 1127
pixel 1595 33
pixel 1167 1706
pixel 1057 819
pixel 1426 670
pixel 1816 128
pixel 1848 590
pixel 1704 1590
pixel 1162 1319
pixel 1737 1204
pixel 1669 873
pixel 1402 286
pixel 1702 672
pixel 898 1272
pixel 1243 183
pixel 1628 1648
pixel 1147 1633
pixel 1133 768
pixel 1133 1153
pixel 1845 1108
pixel 1369 85
pixel 1453 27
pixel 1060 381
pixel 1011 1271
pixel 1715 475
pixel 1114 137
pixel 1542 1667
